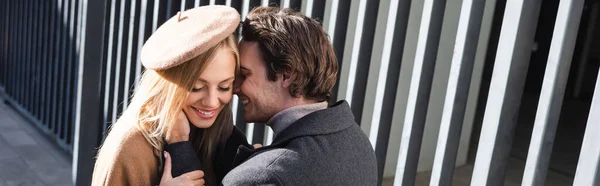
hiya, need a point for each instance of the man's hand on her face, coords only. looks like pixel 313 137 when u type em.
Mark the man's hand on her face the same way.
pixel 194 178
pixel 180 131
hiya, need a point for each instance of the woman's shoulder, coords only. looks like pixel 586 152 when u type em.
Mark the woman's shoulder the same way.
pixel 126 142
pixel 126 156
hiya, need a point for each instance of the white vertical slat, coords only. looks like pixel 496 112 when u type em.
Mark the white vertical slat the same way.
pixel 212 2
pixel 285 3
pixel 141 36
pixel 130 51
pixel 234 107
pixel 420 86
pixel 79 26
pixel 553 90
pixel 351 50
pixel 77 130
pixel 249 132
pixel 227 2
pixel 307 6
pixel 155 16
pixel 182 6
pixel 506 86
pixel 245 9
pixel 378 70
pixel 412 30
pixel 474 88
pixel 72 22
pixel 330 17
pixel 197 3
pixel 589 158
pixel 263 2
pixel 268 138
pixel 116 83
pixel 465 47
pixel 109 62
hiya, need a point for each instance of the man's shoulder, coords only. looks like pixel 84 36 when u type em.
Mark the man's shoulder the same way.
pixel 261 169
pixel 271 157
pixel 318 157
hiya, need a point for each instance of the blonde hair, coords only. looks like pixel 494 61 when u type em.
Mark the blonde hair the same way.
pixel 159 98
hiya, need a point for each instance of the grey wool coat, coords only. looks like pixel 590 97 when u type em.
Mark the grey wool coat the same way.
pixel 326 147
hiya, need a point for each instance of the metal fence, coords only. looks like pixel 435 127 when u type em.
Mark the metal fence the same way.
pixel 70 66
pixel 39 62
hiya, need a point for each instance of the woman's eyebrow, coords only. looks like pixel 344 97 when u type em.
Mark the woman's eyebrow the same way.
pixel 228 79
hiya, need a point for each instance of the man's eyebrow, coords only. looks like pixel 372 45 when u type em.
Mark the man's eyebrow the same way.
pixel 244 68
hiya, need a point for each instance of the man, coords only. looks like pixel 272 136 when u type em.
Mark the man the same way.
pixel 288 68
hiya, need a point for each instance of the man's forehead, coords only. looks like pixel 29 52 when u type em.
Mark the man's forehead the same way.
pixel 249 55
pixel 247 44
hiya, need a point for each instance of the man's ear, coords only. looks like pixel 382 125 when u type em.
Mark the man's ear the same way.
pixel 287 78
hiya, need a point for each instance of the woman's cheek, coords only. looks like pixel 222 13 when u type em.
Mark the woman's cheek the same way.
pixel 226 97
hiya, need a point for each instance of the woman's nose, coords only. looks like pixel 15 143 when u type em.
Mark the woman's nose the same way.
pixel 211 100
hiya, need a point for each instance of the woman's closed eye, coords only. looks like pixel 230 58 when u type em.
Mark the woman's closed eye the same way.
pixel 224 89
pixel 197 89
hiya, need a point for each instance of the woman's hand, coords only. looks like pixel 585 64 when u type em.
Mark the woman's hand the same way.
pixel 180 131
pixel 195 178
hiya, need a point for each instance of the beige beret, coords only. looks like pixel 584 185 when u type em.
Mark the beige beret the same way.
pixel 187 35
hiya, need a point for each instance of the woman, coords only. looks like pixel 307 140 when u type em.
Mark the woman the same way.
pixel 191 61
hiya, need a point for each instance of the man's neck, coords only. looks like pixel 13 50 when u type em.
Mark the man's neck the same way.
pixel 293 102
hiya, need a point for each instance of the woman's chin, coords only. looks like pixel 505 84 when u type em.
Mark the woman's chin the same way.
pixel 202 124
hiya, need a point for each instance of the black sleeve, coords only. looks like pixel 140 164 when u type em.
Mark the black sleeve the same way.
pixel 183 158
pixel 227 152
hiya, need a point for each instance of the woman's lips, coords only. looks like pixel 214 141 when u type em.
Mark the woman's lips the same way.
pixel 205 113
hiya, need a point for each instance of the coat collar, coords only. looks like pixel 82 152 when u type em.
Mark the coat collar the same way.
pixel 336 118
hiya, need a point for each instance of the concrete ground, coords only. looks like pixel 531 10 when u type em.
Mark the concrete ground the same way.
pixel 27 157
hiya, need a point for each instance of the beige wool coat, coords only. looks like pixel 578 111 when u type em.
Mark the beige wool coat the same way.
pixel 127 158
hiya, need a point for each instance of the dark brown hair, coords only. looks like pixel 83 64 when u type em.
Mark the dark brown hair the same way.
pixel 292 43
